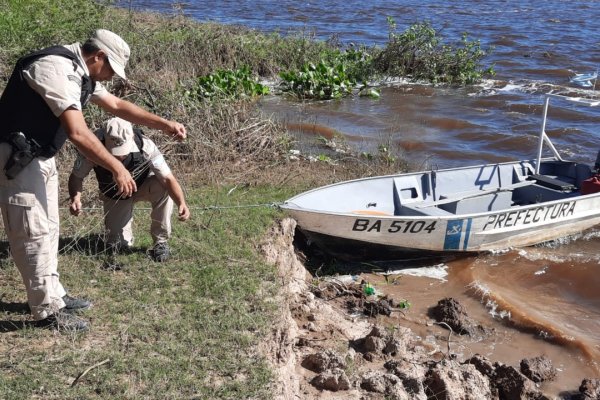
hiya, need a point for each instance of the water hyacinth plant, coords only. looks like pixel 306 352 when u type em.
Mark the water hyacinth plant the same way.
pixel 322 81
pixel 227 84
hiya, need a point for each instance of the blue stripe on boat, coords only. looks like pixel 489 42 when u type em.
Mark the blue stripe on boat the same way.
pixel 467 233
pixel 453 233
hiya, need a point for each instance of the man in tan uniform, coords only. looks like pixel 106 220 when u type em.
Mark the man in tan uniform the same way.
pixel 40 108
pixel 156 184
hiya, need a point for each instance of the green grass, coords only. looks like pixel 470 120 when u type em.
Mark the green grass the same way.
pixel 183 329
pixel 34 24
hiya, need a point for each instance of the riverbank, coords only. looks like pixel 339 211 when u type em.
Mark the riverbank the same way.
pixel 333 341
pixel 238 312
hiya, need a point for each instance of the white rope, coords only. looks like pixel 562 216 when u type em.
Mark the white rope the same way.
pixel 191 208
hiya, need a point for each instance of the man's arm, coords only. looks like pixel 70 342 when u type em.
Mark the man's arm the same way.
pixel 81 169
pixel 88 144
pixel 176 193
pixel 75 190
pixel 137 115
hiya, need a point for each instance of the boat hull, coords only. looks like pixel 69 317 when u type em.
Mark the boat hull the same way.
pixel 524 226
pixel 356 250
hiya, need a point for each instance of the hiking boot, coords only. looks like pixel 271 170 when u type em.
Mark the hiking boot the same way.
pixel 115 248
pixel 73 304
pixel 112 265
pixel 65 322
pixel 160 252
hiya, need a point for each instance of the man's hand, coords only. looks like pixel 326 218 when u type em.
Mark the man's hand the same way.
pixel 90 147
pixel 183 212
pixel 125 184
pixel 176 193
pixel 176 130
pixel 75 208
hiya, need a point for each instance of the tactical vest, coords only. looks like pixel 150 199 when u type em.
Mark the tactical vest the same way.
pixel 135 163
pixel 22 109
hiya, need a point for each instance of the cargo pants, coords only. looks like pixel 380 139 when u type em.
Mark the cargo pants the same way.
pixel 29 206
pixel 118 214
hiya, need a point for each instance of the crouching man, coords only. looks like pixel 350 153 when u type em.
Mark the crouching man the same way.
pixel 155 182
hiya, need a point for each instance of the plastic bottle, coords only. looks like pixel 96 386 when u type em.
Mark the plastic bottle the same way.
pixel 369 290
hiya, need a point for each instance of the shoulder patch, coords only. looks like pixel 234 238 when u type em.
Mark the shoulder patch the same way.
pixel 74 78
pixel 158 161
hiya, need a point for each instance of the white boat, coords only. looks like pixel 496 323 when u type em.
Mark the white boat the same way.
pixel 469 209
pixel 585 80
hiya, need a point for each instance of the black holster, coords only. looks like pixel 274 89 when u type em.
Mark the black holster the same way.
pixel 23 152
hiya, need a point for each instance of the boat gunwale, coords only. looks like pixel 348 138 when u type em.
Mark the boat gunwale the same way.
pixel 290 205
pixel 439 217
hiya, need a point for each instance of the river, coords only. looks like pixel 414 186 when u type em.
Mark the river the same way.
pixel 545 299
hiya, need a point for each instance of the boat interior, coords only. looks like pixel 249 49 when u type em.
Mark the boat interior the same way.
pixel 487 188
pixel 460 191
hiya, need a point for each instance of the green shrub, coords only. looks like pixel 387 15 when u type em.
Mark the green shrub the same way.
pixel 419 53
pixel 358 63
pixel 320 82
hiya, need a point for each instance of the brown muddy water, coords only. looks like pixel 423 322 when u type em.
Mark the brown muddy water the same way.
pixel 540 300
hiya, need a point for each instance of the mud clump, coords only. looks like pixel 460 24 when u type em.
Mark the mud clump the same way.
pixel 589 389
pixel 384 383
pixel 452 380
pixel 333 380
pixel 538 369
pixel 324 360
pixel 383 341
pixel 450 312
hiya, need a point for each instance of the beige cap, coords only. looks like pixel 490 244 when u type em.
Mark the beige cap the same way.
pixel 118 137
pixel 115 48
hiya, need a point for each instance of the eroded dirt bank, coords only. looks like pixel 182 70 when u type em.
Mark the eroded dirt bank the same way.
pixel 333 341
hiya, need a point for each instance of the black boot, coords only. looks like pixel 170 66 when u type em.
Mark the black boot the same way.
pixel 63 321
pixel 73 304
pixel 160 252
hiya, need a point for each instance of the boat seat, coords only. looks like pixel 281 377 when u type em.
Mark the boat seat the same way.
pixel 407 191
pixel 552 183
pixel 454 197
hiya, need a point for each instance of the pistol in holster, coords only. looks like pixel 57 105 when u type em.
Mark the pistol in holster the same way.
pixel 23 152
